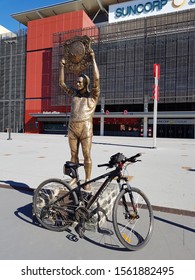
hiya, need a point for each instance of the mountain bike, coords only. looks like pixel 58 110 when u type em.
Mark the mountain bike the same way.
pixel 57 205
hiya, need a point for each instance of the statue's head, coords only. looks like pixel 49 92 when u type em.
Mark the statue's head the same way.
pixel 83 82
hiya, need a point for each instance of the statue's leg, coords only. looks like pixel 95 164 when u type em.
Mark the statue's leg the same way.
pixel 74 147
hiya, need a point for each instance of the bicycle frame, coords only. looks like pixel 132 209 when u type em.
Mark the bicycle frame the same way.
pixel 109 177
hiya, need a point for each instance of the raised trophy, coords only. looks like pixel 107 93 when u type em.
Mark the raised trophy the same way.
pixel 77 53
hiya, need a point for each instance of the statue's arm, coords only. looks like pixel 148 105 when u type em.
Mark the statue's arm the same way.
pixel 62 83
pixel 96 75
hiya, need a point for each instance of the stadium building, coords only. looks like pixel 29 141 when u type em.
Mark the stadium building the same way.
pixel 128 38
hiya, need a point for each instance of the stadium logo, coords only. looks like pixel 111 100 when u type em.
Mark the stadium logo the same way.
pixel 178 3
pixel 140 8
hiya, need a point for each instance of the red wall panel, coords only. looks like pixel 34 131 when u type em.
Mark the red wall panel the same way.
pixel 38 73
pixel 40 32
pixel 39 60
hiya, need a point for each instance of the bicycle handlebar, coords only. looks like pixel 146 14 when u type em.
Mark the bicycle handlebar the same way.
pixel 104 164
pixel 131 159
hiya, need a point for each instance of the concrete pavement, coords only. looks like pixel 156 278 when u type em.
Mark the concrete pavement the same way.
pixel 166 174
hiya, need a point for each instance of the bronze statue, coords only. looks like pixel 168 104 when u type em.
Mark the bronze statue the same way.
pixel 80 129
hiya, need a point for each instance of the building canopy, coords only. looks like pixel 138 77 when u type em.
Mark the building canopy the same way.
pixel 92 8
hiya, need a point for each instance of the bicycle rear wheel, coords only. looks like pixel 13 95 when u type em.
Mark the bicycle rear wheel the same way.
pixel 133 218
pixel 54 204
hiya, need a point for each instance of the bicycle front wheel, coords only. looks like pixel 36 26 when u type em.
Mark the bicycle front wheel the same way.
pixel 133 218
pixel 54 204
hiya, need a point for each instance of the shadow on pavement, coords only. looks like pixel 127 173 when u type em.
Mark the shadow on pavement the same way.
pixel 25 212
pixel 123 145
pixel 174 224
pixel 18 186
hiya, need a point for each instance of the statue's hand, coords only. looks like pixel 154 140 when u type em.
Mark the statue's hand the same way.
pixel 62 62
pixel 92 54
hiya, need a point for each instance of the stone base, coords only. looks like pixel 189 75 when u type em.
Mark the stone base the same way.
pixel 104 205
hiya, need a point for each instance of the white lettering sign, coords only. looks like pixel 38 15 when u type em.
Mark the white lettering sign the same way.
pixel 144 8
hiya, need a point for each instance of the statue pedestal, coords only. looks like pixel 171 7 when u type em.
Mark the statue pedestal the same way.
pixel 104 204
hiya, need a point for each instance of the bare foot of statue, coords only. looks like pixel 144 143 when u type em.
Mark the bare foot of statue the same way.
pixel 72 182
pixel 87 187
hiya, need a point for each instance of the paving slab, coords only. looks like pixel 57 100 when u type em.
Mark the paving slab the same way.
pixel 166 174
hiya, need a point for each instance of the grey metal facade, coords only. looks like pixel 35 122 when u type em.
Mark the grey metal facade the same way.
pixel 12 81
pixel 126 53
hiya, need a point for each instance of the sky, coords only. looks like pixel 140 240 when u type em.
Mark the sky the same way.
pixel 9 7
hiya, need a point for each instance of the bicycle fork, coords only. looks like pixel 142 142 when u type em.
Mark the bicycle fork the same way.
pixel 133 214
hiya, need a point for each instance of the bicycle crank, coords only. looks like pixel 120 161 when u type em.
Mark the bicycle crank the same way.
pixel 82 213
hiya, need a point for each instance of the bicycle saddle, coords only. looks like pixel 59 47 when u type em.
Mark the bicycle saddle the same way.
pixel 70 164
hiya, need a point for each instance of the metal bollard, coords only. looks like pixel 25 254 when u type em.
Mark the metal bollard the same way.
pixel 9 133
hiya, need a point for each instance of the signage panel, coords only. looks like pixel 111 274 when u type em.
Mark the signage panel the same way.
pixel 144 8
pixel 173 121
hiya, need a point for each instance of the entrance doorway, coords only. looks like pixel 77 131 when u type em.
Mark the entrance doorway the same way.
pixel 175 131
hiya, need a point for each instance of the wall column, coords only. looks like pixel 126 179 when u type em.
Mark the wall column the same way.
pixel 102 126
pixel 145 126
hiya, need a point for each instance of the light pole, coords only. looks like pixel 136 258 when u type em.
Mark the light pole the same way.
pixel 102 116
pixel 10 42
pixel 155 97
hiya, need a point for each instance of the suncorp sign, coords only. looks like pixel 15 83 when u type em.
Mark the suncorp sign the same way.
pixel 143 8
